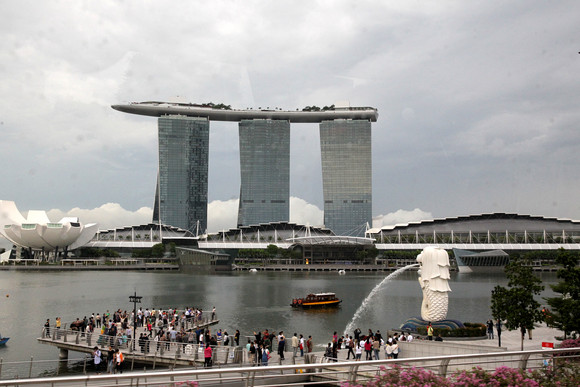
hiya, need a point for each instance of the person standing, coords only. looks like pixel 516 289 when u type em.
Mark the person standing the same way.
pixel 252 352
pixel 281 344
pixel 309 344
pixel 110 361
pixel 265 355
pixel 376 348
pixel 358 350
pixel 430 332
pixel 237 337
pixel 295 343
pixel 490 329
pixel 47 328
pixel 97 359
pixel 395 349
pixel 301 345
pixel 389 349
pixel 368 349
pixel 207 354
pixel 119 359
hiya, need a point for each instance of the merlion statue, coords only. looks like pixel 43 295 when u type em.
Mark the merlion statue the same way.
pixel 434 278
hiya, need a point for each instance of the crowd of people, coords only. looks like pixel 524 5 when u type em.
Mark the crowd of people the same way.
pixel 371 344
pixel 164 329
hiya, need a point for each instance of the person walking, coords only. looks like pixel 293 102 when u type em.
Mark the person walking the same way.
pixel 350 347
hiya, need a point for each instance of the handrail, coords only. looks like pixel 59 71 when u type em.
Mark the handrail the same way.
pixel 338 372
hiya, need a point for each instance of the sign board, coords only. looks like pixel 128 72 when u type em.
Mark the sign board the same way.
pixel 547 345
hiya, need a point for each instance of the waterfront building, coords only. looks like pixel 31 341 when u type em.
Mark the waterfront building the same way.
pixel 37 237
pixel 346 175
pixel 181 197
pixel 265 171
pixel 482 232
pixel 181 194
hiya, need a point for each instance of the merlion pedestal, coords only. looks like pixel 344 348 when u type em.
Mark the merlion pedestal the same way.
pixel 434 280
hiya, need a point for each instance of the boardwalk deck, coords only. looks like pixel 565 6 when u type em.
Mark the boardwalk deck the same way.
pixel 153 353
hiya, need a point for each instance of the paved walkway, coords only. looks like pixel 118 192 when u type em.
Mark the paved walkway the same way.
pixel 512 339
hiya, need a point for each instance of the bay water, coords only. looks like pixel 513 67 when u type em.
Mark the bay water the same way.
pixel 245 301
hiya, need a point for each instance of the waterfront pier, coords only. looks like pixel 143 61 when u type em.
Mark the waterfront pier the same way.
pixel 147 352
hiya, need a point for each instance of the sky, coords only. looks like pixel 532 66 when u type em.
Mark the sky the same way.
pixel 478 101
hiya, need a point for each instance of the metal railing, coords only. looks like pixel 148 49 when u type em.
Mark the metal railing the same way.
pixel 315 370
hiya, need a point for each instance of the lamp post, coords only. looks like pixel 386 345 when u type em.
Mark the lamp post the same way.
pixel 135 299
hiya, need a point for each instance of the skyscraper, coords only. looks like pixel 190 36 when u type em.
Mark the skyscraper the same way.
pixel 182 186
pixel 265 171
pixel 345 147
pixel 181 195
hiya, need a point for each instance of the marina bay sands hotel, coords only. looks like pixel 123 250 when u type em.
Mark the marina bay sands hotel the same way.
pixel 264 137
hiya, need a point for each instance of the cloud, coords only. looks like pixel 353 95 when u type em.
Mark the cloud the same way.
pixel 302 212
pixel 400 216
pixel 222 215
pixel 107 216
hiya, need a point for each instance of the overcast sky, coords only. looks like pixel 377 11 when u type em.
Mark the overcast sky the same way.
pixel 478 100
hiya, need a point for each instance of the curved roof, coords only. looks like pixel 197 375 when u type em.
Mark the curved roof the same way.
pixel 485 222
pixel 38 233
pixel 331 240
pixel 158 109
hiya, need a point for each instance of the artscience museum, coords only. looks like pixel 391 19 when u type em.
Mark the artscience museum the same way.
pixel 40 238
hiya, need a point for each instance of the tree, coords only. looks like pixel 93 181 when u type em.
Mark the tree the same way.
pixel 158 250
pixel 272 250
pixel 565 309
pixel 516 304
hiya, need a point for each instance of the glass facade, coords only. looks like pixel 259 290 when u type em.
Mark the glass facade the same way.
pixel 181 194
pixel 265 171
pixel 346 175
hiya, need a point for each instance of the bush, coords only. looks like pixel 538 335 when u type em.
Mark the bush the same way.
pixel 470 330
pixel 566 375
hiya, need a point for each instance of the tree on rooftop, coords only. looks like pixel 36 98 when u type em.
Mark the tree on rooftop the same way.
pixel 516 304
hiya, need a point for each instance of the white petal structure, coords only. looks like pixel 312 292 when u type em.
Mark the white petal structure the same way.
pixel 39 233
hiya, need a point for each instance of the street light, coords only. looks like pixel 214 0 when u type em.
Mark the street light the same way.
pixel 135 299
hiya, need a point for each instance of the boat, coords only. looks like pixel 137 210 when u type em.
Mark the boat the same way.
pixel 3 340
pixel 316 300
pixel 342 272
